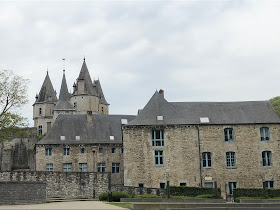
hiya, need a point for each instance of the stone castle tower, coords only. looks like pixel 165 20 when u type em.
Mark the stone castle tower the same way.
pixel 87 96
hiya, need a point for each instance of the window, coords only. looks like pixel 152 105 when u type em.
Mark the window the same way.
pixel 113 150
pixel 228 134
pixel 204 120
pixel 112 137
pixel 67 167
pixel 115 168
pixel 40 130
pixel 264 131
pixel 82 150
pixel 268 184
pixel 66 151
pixel 267 158
pixel 183 184
pixel 231 186
pixel 162 185
pixel 101 167
pixel 140 185
pixel 208 184
pixel 102 110
pixel 158 157
pixel 75 105
pixel 40 111
pixel 122 150
pixel 48 151
pixel 100 150
pixel 49 98
pixel 158 137
pixel 206 160
pixel 159 117
pixel 82 167
pixel 49 167
pixel 62 138
pixel 230 159
pixel 124 121
pixel 78 138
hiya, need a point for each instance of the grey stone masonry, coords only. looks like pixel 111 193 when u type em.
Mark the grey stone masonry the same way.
pixel 22 192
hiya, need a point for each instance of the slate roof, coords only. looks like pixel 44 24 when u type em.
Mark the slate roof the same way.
pixel 46 91
pixel 84 75
pixel 249 112
pixel 99 92
pixel 99 131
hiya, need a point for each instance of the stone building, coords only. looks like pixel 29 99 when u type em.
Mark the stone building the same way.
pixel 228 144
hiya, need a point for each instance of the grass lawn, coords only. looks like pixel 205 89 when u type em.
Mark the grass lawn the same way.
pixel 120 204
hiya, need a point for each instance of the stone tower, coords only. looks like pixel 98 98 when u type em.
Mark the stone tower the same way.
pixel 43 108
pixel 88 96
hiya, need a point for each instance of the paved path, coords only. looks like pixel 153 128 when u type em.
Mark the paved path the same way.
pixel 65 205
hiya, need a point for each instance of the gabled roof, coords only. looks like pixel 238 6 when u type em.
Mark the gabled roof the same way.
pixel 85 76
pixel 99 92
pixel 47 93
pixel 249 112
pixel 98 131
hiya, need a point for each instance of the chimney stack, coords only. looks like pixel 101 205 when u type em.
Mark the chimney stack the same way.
pixel 161 92
pixel 89 116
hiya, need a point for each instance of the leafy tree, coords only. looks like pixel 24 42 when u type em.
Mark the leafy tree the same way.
pixel 13 94
pixel 276 104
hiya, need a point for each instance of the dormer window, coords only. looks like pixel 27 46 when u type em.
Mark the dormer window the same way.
pixel 124 121
pixel 204 120
pixel 160 117
pixel 78 138
pixel 112 138
pixel 62 138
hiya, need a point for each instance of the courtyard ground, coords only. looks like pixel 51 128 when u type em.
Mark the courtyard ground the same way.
pixel 64 205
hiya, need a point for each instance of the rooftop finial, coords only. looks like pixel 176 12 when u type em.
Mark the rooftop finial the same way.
pixel 47 70
pixel 63 63
pixel 84 57
pixel 63 71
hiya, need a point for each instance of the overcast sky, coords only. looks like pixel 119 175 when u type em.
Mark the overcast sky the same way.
pixel 194 50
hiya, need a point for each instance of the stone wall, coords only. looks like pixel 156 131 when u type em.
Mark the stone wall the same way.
pixel 183 148
pixel 64 185
pixel 138 190
pixel 22 192
pixel 91 156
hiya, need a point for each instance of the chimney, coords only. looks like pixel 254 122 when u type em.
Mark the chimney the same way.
pixel 161 92
pixel 89 116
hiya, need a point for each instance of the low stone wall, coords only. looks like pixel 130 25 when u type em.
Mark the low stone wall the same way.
pixel 138 190
pixel 22 192
pixel 64 185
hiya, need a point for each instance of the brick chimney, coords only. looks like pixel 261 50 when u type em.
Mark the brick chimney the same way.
pixel 161 92
pixel 89 116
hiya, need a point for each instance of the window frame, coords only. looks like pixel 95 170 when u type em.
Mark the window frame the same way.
pixel 115 168
pixel 101 167
pixel 157 142
pixel 66 151
pixel 82 168
pixel 267 159
pixel 231 159
pixel 264 134
pixel 231 187
pixel 83 150
pixel 227 135
pixel 48 152
pixel 40 130
pixel 100 150
pixel 49 168
pixel 206 159
pixel 67 169
pixel 113 150
pixel 159 158
pixel 267 184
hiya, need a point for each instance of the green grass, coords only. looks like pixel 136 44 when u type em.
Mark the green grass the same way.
pixel 120 204
pixel 237 200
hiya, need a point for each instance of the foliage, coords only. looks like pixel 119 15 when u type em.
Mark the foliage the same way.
pixel 116 196
pixel 41 137
pixel 13 94
pixel 147 196
pixel 255 192
pixel 192 191
pixel 182 197
pixel 217 196
pixel 275 102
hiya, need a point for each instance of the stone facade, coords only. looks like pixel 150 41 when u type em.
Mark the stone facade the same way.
pixel 93 154
pixel 22 192
pixel 182 156
pixel 64 185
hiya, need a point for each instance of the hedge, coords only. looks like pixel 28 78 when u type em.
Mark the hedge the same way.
pixel 255 192
pixel 116 196
pixel 193 191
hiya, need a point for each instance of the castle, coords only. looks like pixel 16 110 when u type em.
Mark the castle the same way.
pixel 207 144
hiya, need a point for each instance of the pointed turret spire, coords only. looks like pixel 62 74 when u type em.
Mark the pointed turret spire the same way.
pixel 64 93
pixel 47 93
pixel 85 76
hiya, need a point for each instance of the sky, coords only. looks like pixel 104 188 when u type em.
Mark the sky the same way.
pixel 193 50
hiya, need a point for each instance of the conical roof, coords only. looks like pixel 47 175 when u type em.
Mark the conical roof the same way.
pixel 84 75
pixel 99 92
pixel 47 93
pixel 157 106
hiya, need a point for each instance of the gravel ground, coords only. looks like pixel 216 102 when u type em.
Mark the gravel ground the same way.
pixel 64 205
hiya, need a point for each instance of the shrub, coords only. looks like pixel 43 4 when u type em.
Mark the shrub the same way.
pixel 237 200
pixel 116 196
pixel 217 196
pixel 192 191
pixel 147 196
pixel 255 192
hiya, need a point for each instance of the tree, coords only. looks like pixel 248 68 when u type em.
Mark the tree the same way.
pixel 276 104
pixel 13 95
